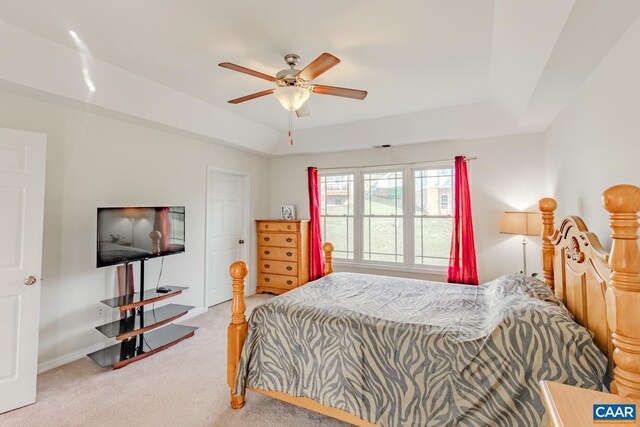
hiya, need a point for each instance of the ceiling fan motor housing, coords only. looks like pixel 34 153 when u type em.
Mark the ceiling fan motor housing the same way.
pixel 288 77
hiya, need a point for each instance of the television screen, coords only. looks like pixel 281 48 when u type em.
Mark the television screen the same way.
pixel 135 233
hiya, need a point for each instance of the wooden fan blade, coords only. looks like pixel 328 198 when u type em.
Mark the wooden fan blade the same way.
pixel 319 65
pixel 245 70
pixel 339 91
pixel 303 111
pixel 252 96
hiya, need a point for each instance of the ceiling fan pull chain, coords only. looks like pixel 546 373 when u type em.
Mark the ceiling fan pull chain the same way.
pixel 290 126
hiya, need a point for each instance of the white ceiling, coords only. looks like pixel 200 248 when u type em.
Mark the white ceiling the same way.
pixel 410 56
pixel 420 56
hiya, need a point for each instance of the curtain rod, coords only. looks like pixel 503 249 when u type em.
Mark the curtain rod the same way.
pixel 393 164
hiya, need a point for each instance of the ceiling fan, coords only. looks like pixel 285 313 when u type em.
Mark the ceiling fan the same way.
pixel 293 87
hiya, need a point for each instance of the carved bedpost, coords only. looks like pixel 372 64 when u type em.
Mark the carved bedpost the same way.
pixel 328 258
pixel 237 331
pixel 547 207
pixel 155 237
pixel 623 291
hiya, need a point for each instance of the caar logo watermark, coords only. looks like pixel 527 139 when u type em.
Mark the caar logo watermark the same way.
pixel 619 414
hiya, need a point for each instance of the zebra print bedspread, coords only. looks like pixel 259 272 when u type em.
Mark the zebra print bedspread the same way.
pixel 400 352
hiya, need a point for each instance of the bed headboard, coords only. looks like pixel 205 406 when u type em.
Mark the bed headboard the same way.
pixel 602 290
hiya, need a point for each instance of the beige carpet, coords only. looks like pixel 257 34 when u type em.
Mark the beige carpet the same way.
pixel 182 386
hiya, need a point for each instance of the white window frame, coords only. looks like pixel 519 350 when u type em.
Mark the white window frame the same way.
pixel 408 204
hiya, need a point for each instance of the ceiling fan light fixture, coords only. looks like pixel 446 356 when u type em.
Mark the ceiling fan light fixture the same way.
pixel 292 97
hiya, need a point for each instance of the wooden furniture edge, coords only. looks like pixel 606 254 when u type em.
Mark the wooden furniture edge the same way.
pixel 128 335
pixel 549 403
pixel 132 305
pixel 547 207
pixel 237 330
pixel 327 248
pixel 125 362
pixel 569 405
pixel 623 290
pixel 312 405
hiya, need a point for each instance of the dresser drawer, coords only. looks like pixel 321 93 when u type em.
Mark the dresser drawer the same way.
pixel 278 254
pixel 278 239
pixel 277 226
pixel 279 267
pixel 275 281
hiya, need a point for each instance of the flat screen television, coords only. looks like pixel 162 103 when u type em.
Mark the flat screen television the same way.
pixel 129 234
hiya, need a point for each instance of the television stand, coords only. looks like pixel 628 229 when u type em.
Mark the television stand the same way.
pixel 142 333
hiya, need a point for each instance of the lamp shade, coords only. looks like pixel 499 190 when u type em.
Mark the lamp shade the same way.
pixel 135 213
pixel 522 223
pixel 292 97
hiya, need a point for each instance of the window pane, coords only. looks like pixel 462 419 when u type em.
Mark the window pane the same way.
pixel 336 212
pixel 383 239
pixel 383 193
pixel 432 188
pixel 336 195
pixel 339 231
pixel 432 240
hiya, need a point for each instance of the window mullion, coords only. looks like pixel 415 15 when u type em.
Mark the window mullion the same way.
pixel 358 220
pixel 408 208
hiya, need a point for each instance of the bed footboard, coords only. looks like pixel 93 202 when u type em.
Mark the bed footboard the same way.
pixel 237 330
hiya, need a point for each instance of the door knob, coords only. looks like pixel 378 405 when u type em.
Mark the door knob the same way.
pixel 29 280
pixel 241 242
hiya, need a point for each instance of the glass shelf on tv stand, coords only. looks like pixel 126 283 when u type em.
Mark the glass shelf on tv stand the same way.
pixel 131 326
pixel 131 301
pixel 141 346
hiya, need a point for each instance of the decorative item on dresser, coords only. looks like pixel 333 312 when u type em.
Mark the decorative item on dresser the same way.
pixel 283 255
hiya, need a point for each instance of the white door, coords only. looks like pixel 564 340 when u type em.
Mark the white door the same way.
pixel 227 231
pixel 22 162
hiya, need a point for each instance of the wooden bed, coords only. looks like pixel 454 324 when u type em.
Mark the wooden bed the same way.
pixel 600 289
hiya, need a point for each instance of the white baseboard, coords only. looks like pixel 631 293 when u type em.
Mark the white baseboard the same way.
pixel 77 355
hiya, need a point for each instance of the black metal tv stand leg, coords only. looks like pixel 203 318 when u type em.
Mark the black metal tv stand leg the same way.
pixel 141 308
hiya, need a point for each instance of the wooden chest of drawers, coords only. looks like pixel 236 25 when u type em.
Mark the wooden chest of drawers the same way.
pixel 283 255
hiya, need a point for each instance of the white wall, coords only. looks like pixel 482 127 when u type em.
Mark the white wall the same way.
pixel 508 175
pixel 595 142
pixel 96 161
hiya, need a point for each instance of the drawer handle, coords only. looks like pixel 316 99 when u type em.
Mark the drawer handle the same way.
pixel 289 268
pixel 288 227
pixel 266 279
pixel 266 239
pixel 267 252
pixel 289 282
pixel 267 266
pixel 289 253
pixel 289 239
pixel 266 226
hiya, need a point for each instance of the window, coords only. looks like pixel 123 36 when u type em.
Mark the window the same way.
pixel 444 202
pixel 395 216
pixel 382 217
pixel 432 216
pixel 176 221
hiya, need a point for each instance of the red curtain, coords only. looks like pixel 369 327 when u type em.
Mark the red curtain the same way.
pixel 462 260
pixel 161 224
pixel 316 258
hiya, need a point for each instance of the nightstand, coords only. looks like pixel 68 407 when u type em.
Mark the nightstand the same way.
pixel 570 406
